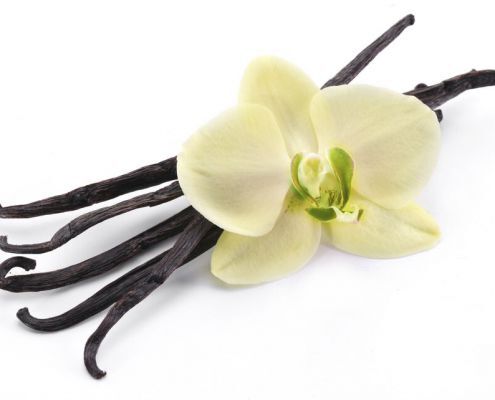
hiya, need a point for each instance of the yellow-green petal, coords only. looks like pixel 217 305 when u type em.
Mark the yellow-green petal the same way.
pixel 235 170
pixel 242 260
pixel 384 233
pixel 393 139
pixel 287 92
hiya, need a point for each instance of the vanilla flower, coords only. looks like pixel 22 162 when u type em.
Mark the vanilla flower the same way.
pixel 292 165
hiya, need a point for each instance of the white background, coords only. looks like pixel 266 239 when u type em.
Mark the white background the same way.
pixel 92 89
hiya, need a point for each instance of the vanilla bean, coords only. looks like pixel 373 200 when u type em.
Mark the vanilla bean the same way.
pixel 141 178
pixel 109 294
pixel 99 264
pixel 86 221
pixel 26 264
pixel 351 70
pixel 436 95
pixel 180 252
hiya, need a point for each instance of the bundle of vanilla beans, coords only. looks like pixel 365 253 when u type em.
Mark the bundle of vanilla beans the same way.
pixel 195 235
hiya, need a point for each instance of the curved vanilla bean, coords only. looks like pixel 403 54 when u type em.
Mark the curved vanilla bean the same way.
pixel 142 178
pixel 86 221
pixel 25 263
pixel 178 254
pixel 109 294
pixel 101 263
pixel 351 70
pixel 436 95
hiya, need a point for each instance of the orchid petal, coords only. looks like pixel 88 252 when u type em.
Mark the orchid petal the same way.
pixel 383 233
pixel 245 260
pixel 393 139
pixel 287 92
pixel 235 170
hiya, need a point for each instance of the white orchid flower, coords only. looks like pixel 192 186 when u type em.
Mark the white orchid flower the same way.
pixel 292 165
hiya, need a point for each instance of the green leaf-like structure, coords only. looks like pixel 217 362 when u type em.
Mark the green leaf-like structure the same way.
pixel 343 168
pixel 322 214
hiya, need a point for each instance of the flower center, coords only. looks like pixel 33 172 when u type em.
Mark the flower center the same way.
pixel 325 182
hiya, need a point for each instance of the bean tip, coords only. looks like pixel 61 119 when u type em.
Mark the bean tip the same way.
pixel 410 18
pixel 90 351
